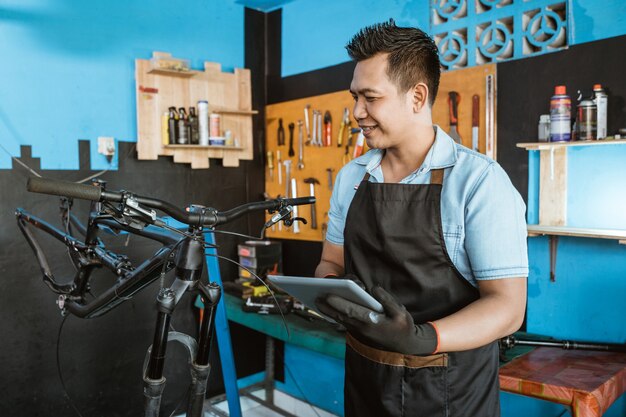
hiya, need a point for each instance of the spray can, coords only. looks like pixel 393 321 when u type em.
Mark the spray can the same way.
pixel 214 125
pixel 203 122
pixel 601 99
pixel 586 120
pixel 560 115
pixel 172 129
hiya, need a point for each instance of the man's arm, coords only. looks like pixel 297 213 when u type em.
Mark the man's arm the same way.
pixel 498 313
pixel 331 262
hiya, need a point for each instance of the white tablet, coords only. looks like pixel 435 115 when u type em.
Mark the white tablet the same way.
pixel 307 289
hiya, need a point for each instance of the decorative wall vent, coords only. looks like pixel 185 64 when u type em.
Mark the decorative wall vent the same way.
pixel 475 32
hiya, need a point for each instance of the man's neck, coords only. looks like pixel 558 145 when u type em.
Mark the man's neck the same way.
pixel 400 161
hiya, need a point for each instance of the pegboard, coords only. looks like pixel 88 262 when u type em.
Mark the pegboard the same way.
pixel 317 160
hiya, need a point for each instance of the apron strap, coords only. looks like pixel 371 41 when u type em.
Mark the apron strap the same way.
pixel 436 176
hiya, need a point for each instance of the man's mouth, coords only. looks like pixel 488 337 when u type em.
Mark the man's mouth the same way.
pixel 368 129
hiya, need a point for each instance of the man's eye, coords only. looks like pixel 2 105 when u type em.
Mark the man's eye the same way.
pixel 354 98
pixel 370 98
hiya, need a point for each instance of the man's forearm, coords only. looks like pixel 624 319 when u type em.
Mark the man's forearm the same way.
pixel 496 314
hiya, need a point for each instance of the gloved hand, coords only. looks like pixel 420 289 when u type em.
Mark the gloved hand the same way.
pixel 393 330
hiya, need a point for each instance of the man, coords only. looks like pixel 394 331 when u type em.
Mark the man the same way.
pixel 434 231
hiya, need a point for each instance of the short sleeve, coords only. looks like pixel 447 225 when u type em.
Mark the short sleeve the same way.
pixel 337 213
pixel 495 229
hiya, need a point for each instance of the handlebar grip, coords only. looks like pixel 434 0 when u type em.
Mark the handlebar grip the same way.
pixel 299 201
pixel 63 188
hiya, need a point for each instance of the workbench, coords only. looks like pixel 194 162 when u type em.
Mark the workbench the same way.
pixel 587 382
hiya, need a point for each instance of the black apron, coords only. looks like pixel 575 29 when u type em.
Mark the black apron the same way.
pixel 394 238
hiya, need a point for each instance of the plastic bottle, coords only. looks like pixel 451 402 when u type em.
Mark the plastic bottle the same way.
pixel 183 127
pixel 602 100
pixel 172 128
pixel 194 126
pixel 560 115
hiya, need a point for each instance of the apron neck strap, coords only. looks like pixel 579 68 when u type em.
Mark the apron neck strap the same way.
pixel 436 176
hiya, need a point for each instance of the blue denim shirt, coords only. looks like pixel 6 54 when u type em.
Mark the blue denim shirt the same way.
pixel 482 214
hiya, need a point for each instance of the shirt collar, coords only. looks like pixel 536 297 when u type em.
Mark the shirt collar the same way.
pixel 442 154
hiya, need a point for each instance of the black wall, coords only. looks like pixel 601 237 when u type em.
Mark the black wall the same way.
pixel 101 359
pixel 525 87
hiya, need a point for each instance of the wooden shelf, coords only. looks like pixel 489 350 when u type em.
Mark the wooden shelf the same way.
pixel 224 110
pixel 540 146
pixel 174 73
pixel 237 148
pixel 614 234
pixel 228 94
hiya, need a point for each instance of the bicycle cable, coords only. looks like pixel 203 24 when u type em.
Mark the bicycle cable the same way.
pixel 67 396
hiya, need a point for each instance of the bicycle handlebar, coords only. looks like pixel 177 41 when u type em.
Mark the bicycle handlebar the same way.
pixel 209 217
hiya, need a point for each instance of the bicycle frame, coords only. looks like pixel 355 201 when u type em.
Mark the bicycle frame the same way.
pixel 131 217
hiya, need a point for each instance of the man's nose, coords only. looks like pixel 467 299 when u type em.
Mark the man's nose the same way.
pixel 359 111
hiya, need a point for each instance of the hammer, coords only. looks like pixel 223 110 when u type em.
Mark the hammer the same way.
pixel 312 181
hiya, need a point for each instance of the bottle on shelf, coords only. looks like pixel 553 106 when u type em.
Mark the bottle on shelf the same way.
pixel 172 126
pixel 194 137
pixel 183 127
pixel 165 136
pixel 560 115
pixel 203 122
pixel 602 100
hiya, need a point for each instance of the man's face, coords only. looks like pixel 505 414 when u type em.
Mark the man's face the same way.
pixel 384 114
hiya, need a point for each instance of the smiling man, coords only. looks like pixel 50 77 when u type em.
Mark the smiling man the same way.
pixel 435 231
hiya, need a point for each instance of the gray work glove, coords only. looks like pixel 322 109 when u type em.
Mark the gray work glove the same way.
pixel 393 330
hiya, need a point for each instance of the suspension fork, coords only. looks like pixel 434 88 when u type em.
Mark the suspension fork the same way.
pixel 189 263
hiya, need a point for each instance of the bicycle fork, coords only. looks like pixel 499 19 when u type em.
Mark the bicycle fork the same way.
pixel 189 263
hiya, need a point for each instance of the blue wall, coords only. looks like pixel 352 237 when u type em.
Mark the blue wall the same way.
pixel 316 31
pixel 67 68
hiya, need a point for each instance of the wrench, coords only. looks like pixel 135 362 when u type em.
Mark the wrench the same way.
pixel 306 121
pixel 300 146
pixel 319 128
pixel 291 151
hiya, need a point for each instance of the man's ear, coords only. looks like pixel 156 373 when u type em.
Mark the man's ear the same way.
pixel 420 97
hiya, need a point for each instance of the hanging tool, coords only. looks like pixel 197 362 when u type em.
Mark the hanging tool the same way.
pixel 279 165
pixel 345 124
pixel 291 151
pixel 294 194
pixel 300 146
pixel 287 164
pixel 330 171
pixel 319 128
pixel 281 133
pixel 328 129
pixel 490 117
pixel 306 123
pixel 358 147
pixel 270 164
pixel 314 137
pixel 475 119
pixel 312 181
pixel 453 105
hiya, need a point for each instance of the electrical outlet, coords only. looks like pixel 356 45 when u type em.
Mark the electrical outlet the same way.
pixel 106 146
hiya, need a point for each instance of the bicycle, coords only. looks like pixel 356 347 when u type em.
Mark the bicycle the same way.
pixel 134 214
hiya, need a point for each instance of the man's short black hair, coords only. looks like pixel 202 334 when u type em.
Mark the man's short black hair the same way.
pixel 413 56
